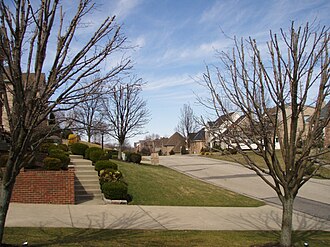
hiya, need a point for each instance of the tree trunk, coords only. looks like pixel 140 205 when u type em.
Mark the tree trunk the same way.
pixel 5 200
pixel 286 230
pixel 119 152
pixel 89 134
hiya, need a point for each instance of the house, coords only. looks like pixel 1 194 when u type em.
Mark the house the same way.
pixel 197 141
pixel 214 131
pixel 25 78
pixel 174 143
pixel 150 145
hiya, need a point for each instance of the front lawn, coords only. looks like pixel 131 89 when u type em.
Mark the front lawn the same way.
pixel 93 237
pixel 158 185
pixel 323 172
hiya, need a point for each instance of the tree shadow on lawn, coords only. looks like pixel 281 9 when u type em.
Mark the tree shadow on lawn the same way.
pixel 94 231
pixel 307 229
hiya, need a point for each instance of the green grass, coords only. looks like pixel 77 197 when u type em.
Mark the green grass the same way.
pixel 158 185
pixel 93 237
pixel 324 172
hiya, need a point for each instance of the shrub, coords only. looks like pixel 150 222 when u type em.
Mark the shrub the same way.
pixel 53 164
pixel 53 146
pixel 109 175
pixel 184 150
pixel 78 148
pixel 172 152
pixel 98 154
pixel 145 151
pixel 64 147
pixel 104 164
pixel 43 148
pixel 232 150
pixel 135 158
pixel 115 190
pixel 89 150
pixel 310 170
pixel 61 155
pixel 3 160
pixel 113 152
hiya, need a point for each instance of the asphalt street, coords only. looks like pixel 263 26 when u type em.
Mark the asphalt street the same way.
pixel 313 198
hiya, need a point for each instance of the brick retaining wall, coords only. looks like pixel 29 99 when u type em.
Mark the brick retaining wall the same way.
pixel 55 187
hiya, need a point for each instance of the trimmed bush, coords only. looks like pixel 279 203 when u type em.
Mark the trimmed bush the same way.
pixel 104 164
pixel 135 158
pixel 44 147
pixel 53 164
pixel 96 155
pixel 172 152
pixel 78 148
pixel 64 147
pixel 89 150
pixel 61 155
pixel 115 190
pixel 109 175
pixel 310 170
pixel 113 152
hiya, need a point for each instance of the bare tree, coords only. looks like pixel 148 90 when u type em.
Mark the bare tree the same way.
pixel 27 31
pixel 87 116
pixel 273 94
pixel 126 112
pixel 187 122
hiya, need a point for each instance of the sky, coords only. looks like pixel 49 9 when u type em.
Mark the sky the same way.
pixel 174 40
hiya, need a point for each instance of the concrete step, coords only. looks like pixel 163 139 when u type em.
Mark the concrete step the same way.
pixel 75 156
pixel 86 181
pixel 85 167
pixel 87 186
pixel 85 172
pixel 79 187
pixel 85 191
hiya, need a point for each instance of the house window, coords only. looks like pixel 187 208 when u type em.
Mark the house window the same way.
pixel 306 118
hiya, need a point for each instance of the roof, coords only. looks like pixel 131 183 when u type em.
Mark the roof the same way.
pixel 199 136
pixel 221 119
pixel 177 141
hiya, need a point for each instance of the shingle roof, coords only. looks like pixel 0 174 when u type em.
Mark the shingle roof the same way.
pixel 177 141
pixel 199 136
pixel 221 119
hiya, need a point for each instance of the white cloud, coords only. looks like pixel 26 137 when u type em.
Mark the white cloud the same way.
pixel 124 7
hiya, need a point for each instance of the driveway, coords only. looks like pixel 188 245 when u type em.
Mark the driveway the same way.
pixel 313 197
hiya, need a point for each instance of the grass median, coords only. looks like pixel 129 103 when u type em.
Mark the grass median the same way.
pixel 159 185
pixel 92 237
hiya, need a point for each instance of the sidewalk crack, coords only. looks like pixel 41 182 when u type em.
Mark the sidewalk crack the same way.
pixel 153 218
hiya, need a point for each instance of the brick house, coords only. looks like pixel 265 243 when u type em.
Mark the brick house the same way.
pixel 174 143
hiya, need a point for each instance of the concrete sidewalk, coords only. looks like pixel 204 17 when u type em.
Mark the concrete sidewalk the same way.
pixel 155 217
